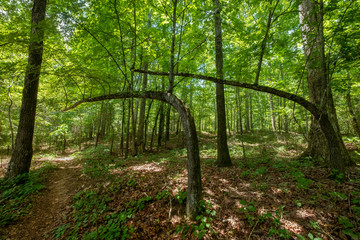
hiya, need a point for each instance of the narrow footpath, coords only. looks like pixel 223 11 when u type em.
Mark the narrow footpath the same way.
pixel 52 204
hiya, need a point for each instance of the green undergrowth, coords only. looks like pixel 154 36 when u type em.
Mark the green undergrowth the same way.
pixel 92 218
pixel 97 215
pixel 16 194
pixel 201 226
pixel 97 162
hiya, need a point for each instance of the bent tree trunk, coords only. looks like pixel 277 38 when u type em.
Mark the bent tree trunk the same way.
pixel 193 163
pixel 337 160
pixel 21 157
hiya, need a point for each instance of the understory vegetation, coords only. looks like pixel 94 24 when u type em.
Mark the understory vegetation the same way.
pixel 267 194
pixel 18 195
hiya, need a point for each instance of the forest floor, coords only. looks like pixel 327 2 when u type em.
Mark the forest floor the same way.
pixel 267 194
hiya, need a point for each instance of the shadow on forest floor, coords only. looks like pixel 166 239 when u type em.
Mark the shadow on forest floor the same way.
pixel 266 195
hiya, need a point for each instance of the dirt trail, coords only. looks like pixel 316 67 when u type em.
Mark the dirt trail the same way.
pixel 52 205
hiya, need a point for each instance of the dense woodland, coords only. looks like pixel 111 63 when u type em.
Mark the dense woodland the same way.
pixel 180 119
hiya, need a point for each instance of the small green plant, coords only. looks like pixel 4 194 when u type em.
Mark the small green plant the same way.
pixel 297 202
pixel 60 231
pixel 203 225
pixel 261 171
pixel 183 230
pixel 348 227
pixel 337 176
pixel 245 174
pixel 131 182
pixel 310 237
pixel 315 225
pixel 280 165
pixel 163 195
pixel 338 196
pixel 355 200
pixel 204 219
pixel 253 218
pixel 250 212
pixel 279 232
pixel 303 183
pixel 181 196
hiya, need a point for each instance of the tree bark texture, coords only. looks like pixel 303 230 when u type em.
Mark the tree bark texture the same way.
pixel 194 194
pixel 319 88
pixel 223 156
pixel 21 157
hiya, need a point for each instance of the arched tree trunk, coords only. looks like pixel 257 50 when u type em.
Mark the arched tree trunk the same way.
pixel 336 157
pixel 193 164
pixel 22 154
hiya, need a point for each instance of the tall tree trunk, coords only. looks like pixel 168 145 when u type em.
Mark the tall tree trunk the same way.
pixel 22 154
pixel 272 113
pixel 154 128
pixel 223 156
pixel 311 21
pixel 251 111
pixel 247 112
pixel 286 118
pixel 122 128
pixel 172 68
pixel 161 125
pixel 354 120
pixel 100 119
pixel 9 116
pixel 133 129
pixel 146 125
pixel 127 143
pixel 239 111
pixel 140 136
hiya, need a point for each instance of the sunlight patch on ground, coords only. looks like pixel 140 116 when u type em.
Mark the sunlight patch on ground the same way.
pixel 177 181
pixel 68 158
pixel 209 192
pixel 305 213
pixel 233 221
pixel 116 171
pixel 276 190
pixel 175 220
pixel 292 226
pixel 224 181
pixel 148 167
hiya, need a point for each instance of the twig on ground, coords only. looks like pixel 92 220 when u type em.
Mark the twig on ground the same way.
pixel 252 230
